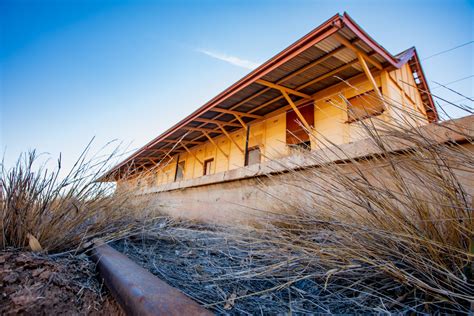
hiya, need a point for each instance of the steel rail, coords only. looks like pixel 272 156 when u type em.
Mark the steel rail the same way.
pixel 137 290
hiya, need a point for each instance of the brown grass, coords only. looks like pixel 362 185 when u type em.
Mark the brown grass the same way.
pixel 63 213
pixel 389 231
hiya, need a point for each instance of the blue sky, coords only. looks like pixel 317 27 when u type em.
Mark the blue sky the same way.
pixel 127 70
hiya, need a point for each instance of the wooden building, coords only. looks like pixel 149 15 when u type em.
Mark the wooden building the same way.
pixel 323 83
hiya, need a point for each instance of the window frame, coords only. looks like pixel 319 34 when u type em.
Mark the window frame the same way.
pixel 210 161
pixel 367 115
pixel 183 162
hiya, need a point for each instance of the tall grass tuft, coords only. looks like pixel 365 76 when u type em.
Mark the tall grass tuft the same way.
pixel 43 209
pixel 390 228
pixel 381 225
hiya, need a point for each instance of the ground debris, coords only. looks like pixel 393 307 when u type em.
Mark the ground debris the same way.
pixel 213 271
pixel 37 284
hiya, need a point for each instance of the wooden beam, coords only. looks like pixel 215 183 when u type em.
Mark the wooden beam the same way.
pixel 217 122
pixel 187 142
pixel 216 144
pixel 369 75
pixel 236 113
pixel 241 121
pixel 202 129
pixel 230 138
pixel 344 41
pixel 295 108
pixel 149 157
pixel 163 150
pixel 282 88
pixel 191 153
pixel 315 80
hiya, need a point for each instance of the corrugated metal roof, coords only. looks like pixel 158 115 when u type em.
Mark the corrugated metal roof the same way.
pixel 304 66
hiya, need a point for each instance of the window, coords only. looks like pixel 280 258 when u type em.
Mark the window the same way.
pixel 363 106
pixel 208 166
pixel 179 171
pixel 253 156
pixel 295 132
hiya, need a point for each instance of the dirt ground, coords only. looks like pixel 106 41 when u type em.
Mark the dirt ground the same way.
pixel 35 284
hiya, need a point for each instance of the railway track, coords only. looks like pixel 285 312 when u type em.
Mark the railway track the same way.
pixel 137 290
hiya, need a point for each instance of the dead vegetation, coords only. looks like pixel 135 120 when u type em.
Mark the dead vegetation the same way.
pixel 389 231
pixel 41 210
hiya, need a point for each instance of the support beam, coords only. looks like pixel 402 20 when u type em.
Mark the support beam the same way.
pixel 369 75
pixel 241 121
pixel 230 138
pixel 282 88
pixel 187 142
pixel 192 154
pixel 201 129
pixel 164 150
pixel 344 41
pixel 236 113
pixel 149 158
pixel 300 116
pixel 155 163
pixel 216 144
pixel 216 122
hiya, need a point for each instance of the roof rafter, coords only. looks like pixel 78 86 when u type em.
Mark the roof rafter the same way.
pixel 236 113
pixel 202 129
pixel 356 50
pixel 282 88
pixel 173 141
pixel 217 122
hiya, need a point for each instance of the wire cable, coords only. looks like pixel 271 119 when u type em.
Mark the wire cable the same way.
pixel 448 50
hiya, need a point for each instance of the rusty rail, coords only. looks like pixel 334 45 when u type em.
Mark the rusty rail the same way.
pixel 137 290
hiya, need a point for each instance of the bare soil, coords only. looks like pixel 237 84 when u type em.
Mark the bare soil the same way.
pixel 38 284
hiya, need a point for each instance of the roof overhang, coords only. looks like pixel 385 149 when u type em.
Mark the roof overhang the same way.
pixel 327 55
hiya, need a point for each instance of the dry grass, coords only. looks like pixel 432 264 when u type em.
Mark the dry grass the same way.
pixel 62 213
pixel 386 232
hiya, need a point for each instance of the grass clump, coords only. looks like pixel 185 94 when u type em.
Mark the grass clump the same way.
pixel 41 209
pixel 388 230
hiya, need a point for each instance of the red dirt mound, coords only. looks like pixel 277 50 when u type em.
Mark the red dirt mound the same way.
pixel 36 284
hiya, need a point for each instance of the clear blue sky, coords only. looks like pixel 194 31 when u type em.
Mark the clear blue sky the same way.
pixel 128 70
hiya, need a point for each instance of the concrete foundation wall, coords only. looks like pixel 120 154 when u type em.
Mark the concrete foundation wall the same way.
pixel 242 194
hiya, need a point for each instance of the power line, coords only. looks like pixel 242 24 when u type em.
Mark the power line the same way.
pixel 454 91
pixel 451 82
pixel 448 50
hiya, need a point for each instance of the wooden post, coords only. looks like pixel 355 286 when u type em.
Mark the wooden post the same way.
pixel 247 146
pixel 177 166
